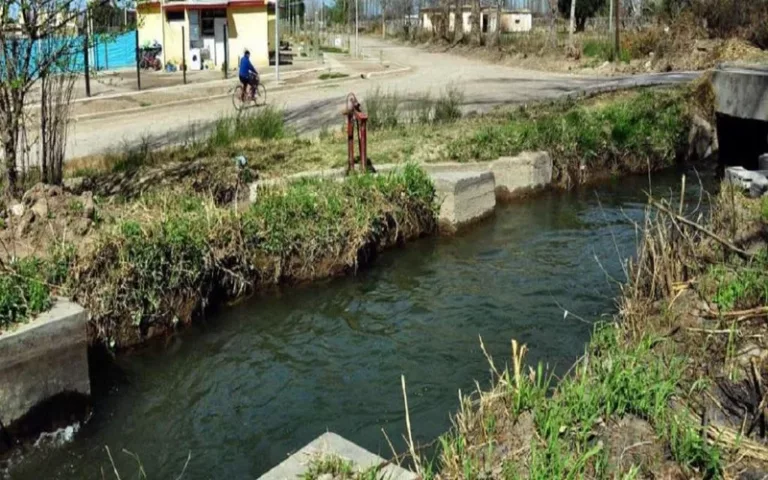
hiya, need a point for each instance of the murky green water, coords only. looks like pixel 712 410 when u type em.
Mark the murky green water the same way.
pixel 263 378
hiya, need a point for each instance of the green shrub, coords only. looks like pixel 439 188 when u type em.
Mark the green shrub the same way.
pixel 382 109
pixel 24 291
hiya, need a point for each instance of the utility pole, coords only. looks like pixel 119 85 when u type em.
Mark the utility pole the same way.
pixel 610 18
pixel 616 39
pixel 277 41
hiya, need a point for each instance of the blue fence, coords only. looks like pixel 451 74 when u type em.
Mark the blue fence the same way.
pixel 111 53
pixel 106 52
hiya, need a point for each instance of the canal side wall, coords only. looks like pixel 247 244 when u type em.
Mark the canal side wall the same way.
pixel 466 192
pixel 42 359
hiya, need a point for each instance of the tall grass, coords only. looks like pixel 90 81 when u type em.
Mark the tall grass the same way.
pixel 632 133
pixel 388 110
pixel 171 255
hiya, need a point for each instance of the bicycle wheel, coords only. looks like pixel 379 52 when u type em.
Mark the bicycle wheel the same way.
pixel 237 97
pixel 261 95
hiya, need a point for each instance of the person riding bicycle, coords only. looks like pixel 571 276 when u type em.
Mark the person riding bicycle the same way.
pixel 248 75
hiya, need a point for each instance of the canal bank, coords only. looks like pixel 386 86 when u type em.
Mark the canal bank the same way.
pixel 263 378
pixel 198 251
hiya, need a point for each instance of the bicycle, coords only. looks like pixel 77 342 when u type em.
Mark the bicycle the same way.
pixel 257 95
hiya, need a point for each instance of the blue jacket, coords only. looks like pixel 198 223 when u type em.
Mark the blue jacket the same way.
pixel 246 67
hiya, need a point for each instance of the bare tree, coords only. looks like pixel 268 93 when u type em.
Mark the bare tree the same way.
pixel 34 45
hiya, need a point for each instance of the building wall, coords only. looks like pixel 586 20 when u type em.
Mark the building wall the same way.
pixel 172 44
pixel 249 29
pixel 150 26
pixel 516 22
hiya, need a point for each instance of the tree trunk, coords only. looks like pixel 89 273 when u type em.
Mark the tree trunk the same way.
pixel 572 25
pixel 458 21
pixel 497 32
pixel 477 32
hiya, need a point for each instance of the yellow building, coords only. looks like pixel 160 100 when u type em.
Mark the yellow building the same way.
pixel 204 26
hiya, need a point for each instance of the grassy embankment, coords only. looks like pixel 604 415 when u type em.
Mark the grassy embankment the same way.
pixel 171 230
pixel 674 389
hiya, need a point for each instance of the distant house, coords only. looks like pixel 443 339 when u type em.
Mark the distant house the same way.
pixel 511 21
pixel 204 26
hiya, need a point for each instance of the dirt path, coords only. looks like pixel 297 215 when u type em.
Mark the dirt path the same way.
pixel 309 109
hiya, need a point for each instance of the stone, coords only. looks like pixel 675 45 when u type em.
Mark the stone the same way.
pixel 43 358
pixel 332 444
pixel 700 139
pixel 40 208
pixel 325 476
pixel 758 186
pixel 527 171
pixel 464 197
pixel 17 209
pixel 89 207
pixel 749 352
pixel 74 185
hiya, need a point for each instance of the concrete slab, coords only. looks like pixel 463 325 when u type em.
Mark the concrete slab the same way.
pixel 525 172
pixel 464 197
pixel 43 358
pixel 741 92
pixel 329 444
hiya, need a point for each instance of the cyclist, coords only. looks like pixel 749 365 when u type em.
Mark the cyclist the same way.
pixel 248 75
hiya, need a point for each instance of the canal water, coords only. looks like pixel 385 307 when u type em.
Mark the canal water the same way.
pixel 258 380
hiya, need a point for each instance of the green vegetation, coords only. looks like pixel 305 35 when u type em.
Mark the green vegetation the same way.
pixel 327 49
pixel 332 75
pixel 739 286
pixel 387 110
pixel 633 133
pixel 603 50
pixel 567 435
pixel 170 255
pixel 27 284
pixel 339 468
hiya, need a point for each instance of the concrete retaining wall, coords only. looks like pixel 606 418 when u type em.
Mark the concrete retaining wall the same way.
pixel 464 197
pixel 43 358
pixel 467 191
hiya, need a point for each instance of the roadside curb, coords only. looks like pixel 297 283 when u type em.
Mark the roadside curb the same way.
pixel 129 111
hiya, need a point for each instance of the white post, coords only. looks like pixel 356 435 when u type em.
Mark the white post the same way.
pixel 610 18
pixel 277 41
pixel 573 23
pixel 357 30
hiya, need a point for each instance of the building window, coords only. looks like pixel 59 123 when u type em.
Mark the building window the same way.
pixel 174 16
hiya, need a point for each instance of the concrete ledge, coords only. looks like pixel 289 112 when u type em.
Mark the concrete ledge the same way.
pixel 464 197
pixel 525 172
pixel 42 359
pixel 331 444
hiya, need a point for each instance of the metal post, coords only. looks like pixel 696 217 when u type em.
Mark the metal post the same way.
pixel 226 51
pixel 357 32
pixel 86 62
pixel 138 62
pixel 277 41
pixel 183 55
pixel 350 141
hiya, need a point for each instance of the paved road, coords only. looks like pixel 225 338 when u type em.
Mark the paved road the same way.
pixel 309 109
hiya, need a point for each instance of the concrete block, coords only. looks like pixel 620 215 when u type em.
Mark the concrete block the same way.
pixel 331 444
pixel 762 162
pixel 741 91
pixel 43 358
pixel 464 197
pixel 527 171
